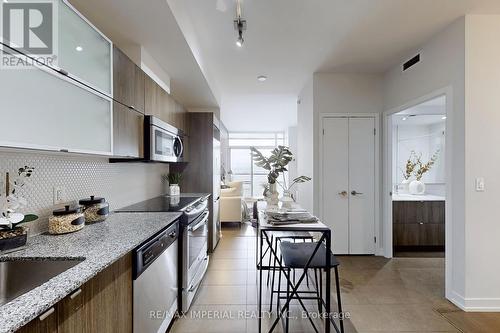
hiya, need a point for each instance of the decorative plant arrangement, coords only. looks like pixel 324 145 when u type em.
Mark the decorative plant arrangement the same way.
pixel 174 179
pixel 415 167
pixel 11 234
pixel 276 164
pixel 410 166
pixel 424 168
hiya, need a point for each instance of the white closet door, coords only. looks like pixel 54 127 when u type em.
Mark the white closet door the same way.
pixel 335 206
pixel 361 186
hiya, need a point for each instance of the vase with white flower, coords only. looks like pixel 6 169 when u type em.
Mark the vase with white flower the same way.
pixel 12 234
pixel 417 187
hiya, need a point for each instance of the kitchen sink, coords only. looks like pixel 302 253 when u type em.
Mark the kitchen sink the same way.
pixel 20 276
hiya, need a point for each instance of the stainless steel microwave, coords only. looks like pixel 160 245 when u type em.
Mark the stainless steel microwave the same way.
pixel 163 142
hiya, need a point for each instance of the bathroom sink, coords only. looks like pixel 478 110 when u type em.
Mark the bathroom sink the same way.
pixel 20 276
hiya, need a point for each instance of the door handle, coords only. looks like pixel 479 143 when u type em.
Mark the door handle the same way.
pixel 343 193
pixel 356 193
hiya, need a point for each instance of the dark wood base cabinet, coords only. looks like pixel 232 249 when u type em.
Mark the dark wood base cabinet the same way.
pixel 418 225
pixel 103 304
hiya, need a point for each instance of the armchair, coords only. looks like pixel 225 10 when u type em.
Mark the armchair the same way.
pixel 230 202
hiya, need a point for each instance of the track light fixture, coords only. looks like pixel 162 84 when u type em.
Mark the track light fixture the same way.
pixel 240 25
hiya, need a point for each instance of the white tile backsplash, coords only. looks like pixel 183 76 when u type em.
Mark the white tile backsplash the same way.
pixel 120 183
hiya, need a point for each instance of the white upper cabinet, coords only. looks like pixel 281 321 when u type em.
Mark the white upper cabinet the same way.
pixel 83 51
pixel 41 111
pixel 40 108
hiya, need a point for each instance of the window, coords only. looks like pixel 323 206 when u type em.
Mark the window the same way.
pixel 241 164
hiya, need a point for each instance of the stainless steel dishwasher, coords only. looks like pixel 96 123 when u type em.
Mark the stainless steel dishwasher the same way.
pixel 156 281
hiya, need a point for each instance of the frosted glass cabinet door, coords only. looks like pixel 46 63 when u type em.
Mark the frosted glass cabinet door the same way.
pixel 42 111
pixel 83 52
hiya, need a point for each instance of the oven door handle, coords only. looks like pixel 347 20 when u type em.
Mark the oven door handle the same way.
pixel 204 270
pixel 198 225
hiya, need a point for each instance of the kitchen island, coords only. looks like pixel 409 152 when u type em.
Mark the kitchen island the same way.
pixel 100 245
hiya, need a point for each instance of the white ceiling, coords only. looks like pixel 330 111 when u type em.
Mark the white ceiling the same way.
pixel 152 25
pixel 288 40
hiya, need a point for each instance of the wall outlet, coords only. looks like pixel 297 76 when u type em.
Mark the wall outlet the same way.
pixel 59 195
pixel 480 184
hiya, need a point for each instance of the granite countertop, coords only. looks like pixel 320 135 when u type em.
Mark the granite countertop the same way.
pixel 421 197
pixel 101 244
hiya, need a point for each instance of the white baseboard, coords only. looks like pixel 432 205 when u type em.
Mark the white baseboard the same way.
pixel 475 304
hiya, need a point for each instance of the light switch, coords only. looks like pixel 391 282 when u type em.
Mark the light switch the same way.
pixel 480 184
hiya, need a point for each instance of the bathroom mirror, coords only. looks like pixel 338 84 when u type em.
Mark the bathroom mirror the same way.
pixel 425 136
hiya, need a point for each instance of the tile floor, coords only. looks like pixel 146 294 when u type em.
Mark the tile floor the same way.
pixel 381 295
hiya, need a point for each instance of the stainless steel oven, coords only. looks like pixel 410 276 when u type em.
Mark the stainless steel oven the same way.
pixel 163 142
pixel 194 251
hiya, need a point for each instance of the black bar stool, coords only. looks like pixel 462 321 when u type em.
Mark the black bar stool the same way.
pixel 296 256
pixel 276 238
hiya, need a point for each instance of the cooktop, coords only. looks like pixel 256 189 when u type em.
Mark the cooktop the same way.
pixel 160 204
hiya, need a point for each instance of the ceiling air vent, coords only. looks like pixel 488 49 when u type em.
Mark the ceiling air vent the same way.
pixel 412 62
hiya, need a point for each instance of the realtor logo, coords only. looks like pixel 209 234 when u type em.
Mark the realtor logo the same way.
pixel 29 33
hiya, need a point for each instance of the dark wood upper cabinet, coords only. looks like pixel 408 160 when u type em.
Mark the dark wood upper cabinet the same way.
pixel 162 105
pixel 128 81
pixel 157 100
pixel 128 132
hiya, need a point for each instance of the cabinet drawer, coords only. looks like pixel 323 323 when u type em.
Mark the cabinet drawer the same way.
pixel 406 234
pixel 433 212
pixel 431 234
pixel 407 212
pixel 418 212
pixel 415 234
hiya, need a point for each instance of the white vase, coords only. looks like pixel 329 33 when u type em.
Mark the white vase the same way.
pixel 174 189
pixel 405 185
pixel 287 200
pixel 417 187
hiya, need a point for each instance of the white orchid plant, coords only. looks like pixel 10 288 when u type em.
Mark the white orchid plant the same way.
pixel 11 201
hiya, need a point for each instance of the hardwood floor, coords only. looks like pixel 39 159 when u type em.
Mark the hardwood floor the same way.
pixel 473 322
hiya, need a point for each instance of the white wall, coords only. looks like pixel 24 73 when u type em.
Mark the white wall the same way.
pixel 461 61
pixel 259 112
pixel 342 93
pixel 305 145
pixel 442 66
pixel 482 133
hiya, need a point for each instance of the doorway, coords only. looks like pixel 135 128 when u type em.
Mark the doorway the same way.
pixel 418 178
pixel 348 187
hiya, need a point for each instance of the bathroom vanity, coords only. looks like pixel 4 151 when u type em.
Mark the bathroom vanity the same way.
pixel 418 222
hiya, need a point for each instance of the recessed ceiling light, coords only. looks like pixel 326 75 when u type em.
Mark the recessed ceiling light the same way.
pixel 404 118
pixel 262 78
pixel 79 48
pixel 443 117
